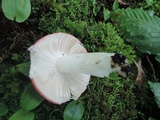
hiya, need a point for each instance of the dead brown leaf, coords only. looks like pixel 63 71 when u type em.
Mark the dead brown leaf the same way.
pixel 140 75
pixel 122 3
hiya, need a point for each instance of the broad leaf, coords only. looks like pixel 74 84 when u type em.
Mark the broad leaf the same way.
pixel 24 68
pixel 96 8
pixel 114 76
pixel 106 14
pixel 158 57
pixel 155 87
pixel 30 98
pixel 139 27
pixel 73 111
pixel 3 109
pixel 18 10
pixel 22 115
pixel 150 118
pixel 149 2
pixel 115 5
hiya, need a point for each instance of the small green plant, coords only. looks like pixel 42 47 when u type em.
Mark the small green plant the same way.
pixel 106 14
pixel 3 109
pixel 18 10
pixel 114 76
pixel 149 2
pixel 100 9
pixel 139 27
pixel 24 68
pixel 96 7
pixel 22 115
pixel 115 5
pixel 151 5
pixel 73 111
pixel 30 99
pixel 155 87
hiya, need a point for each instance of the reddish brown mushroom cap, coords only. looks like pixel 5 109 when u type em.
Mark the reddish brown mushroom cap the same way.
pixel 54 86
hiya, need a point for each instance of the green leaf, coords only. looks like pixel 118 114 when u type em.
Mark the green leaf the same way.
pixel 106 14
pixel 73 111
pixel 18 10
pixel 140 28
pixel 115 5
pixel 8 7
pixel 22 115
pixel 96 8
pixel 158 57
pixel 150 118
pixel 155 87
pixel 94 2
pixel 3 109
pixel 113 76
pixel 24 68
pixel 149 2
pixel 30 98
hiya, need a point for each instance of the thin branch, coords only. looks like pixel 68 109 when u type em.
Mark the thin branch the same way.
pixel 153 70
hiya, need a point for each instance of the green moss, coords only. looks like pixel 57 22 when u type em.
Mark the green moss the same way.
pixel 109 100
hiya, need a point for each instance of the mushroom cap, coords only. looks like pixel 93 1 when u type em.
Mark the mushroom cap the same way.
pixel 54 86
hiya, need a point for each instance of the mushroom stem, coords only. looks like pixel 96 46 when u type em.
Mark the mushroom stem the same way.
pixel 96 64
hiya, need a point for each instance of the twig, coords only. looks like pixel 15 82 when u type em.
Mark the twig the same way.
pixel 153 70
pixel 11 47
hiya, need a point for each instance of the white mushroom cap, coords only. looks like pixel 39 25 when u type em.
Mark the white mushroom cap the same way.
pixel 54 86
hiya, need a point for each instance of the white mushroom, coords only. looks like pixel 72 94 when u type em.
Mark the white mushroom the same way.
pixel 61 67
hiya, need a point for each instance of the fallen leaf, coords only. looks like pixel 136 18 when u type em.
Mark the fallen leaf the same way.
pixel 140 75
pixel 122 3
